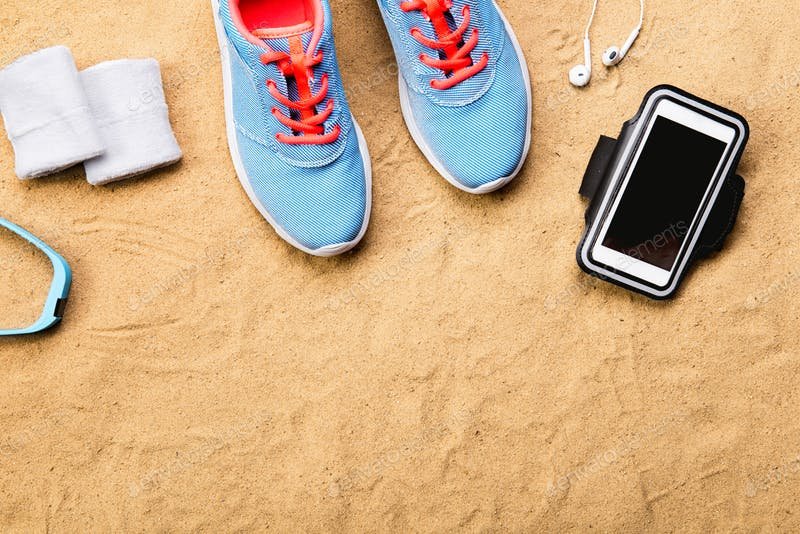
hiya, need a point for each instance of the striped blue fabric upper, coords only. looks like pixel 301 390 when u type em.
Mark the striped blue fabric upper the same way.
pixel 478 128
pixel 316 193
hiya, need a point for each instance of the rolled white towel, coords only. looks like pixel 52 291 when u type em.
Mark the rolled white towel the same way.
pixel 127 100
pixel 46 114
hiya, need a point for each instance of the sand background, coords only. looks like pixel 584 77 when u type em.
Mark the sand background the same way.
pixel 454 369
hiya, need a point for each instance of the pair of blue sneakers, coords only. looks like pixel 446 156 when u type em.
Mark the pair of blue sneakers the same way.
pixel 464 92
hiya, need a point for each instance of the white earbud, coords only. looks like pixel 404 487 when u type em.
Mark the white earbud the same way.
pixel 580 75
pixel 613 55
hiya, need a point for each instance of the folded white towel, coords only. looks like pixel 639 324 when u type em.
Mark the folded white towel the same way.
pixel 128 104
pixel 46 113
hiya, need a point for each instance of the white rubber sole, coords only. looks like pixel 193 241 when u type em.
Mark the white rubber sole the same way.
pixel 416 134
pixel 233 144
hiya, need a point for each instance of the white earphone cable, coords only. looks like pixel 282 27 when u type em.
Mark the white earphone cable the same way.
pixel 641 14
pixel 591 18
pixel 594 12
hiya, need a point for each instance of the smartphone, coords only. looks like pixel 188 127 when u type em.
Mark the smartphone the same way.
pixel 662 189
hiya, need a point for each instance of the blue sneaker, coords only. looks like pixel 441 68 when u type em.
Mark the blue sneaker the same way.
pixel 298 152
pixel 465 89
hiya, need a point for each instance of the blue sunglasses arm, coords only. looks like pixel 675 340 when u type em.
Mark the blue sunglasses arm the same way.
pixel 59 289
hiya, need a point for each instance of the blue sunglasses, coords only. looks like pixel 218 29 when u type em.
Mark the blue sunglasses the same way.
pixel 59 289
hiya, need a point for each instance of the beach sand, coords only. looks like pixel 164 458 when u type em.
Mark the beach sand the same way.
pixel 457 372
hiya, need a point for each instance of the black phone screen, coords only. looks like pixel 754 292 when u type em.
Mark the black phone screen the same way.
pixel 664 193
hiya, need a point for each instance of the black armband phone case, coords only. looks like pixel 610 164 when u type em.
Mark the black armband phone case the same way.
pixel 610 161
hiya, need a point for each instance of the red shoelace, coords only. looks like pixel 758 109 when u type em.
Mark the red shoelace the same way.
pixel 298 65
pixel 458 65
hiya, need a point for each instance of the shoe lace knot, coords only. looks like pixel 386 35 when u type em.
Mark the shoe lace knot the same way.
pixel 453 49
